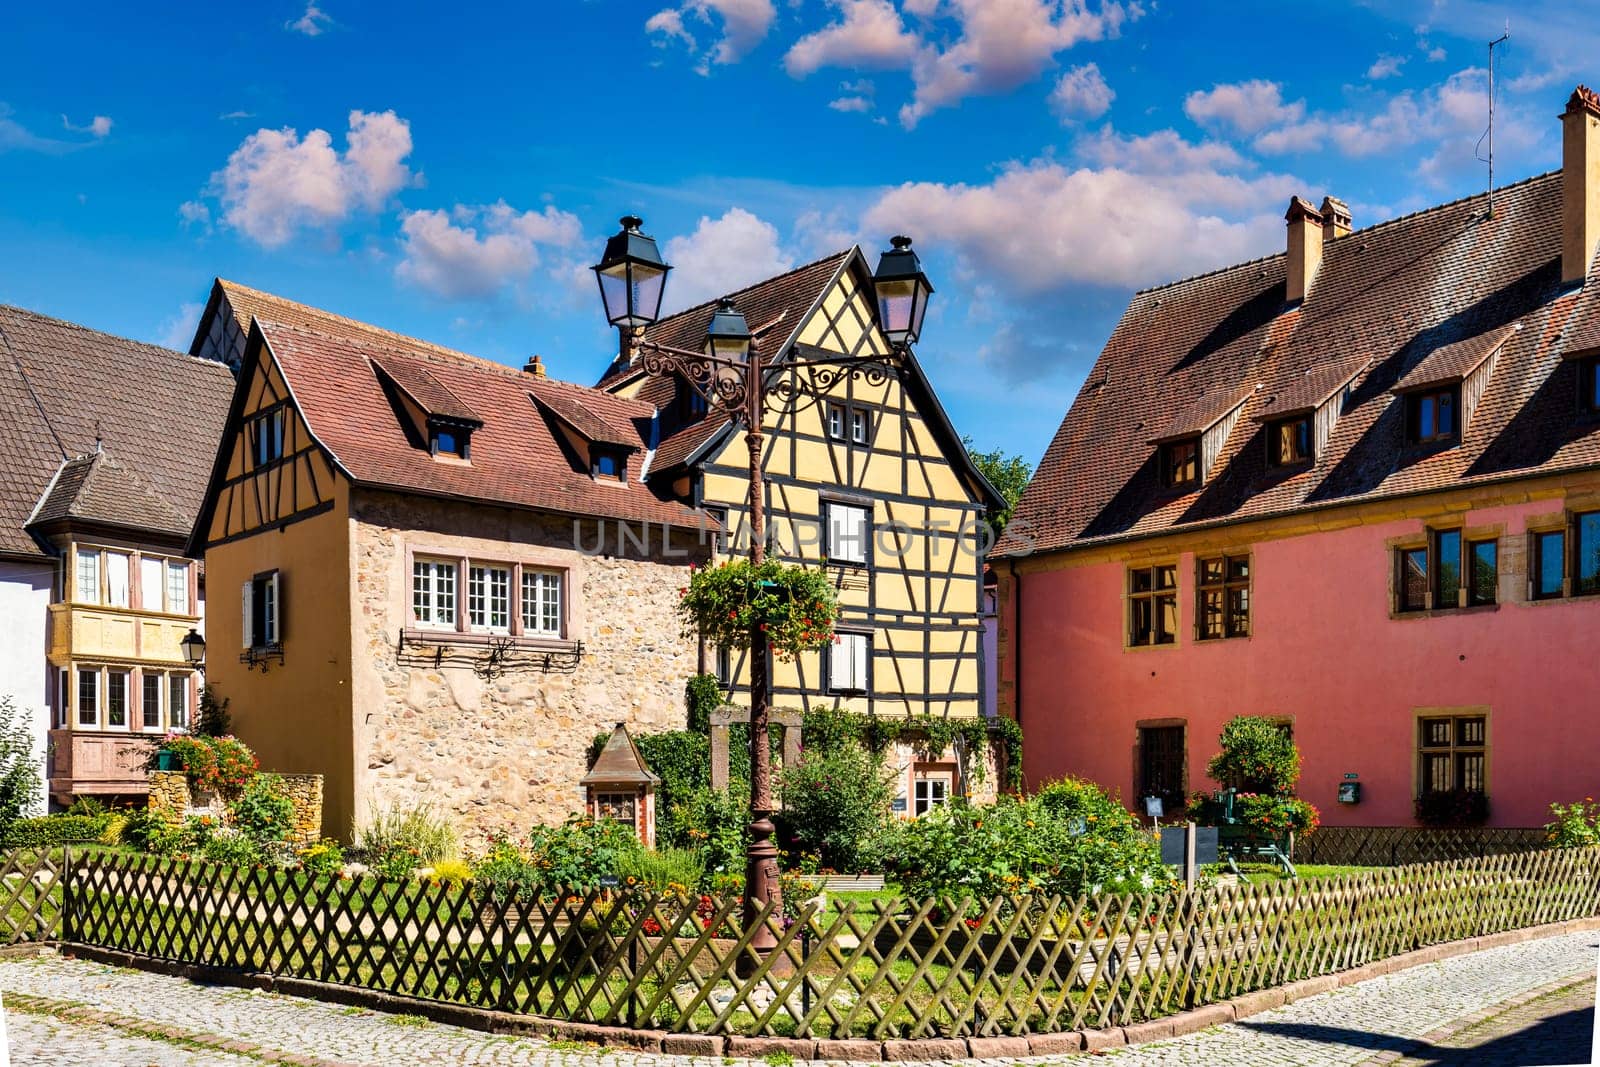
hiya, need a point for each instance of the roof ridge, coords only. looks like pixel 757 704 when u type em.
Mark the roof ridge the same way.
pixel 1408 216
pixel 81 328
pixel 842 253
pixel 346 319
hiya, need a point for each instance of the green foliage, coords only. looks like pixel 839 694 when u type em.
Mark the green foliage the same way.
pixel 214 720
pixel 1009 733
pixel 1069 841
pixel 402 828
pixel 263 812
pixel 794 606
pixel 232 847
pixel 664 870
pixel 1575 825
pixel 50 831
pixel 835 802
pixel 219 764
pixel 714 823
pixel 396 863
pixel 1257 756
pixel 116 822
pixel 20 784
pixel 450 873
pixel 829 727
pixel 154 834
pixel 506 872
pixel 579 852
pixel 683 761
pixel 323 858
pixel 702 695
pixel 1276 815
pixel 87 806
pixel 1008 474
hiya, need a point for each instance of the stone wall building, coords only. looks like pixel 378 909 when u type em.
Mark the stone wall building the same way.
pixel 436 578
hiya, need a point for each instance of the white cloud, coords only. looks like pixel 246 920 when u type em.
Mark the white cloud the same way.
pixel 1161 152
pixel 177 330
pixel 277 182
pixel 232 116
pixel 1042 226
pixel 476 252
pixel 744 25
pixel 195 213
pixel 851 103
pixel 313 23
pixel 1245 107
pixel 870 34
pixel 1385 66
pixel 1082 93
pixel 99 126
pixel 1003 44
pixel 722 255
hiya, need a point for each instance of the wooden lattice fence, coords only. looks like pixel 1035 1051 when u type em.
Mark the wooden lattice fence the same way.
pixel 878 969
pixel 30 897
pixel 1396 846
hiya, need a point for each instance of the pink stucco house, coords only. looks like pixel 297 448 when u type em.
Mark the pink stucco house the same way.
pixel 1354 485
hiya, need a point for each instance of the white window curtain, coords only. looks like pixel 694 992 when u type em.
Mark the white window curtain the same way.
pixel 178 701
pixel 117 567
pixel 152 583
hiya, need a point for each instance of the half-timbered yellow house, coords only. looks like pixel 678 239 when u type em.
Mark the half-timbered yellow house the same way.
pixel 869 480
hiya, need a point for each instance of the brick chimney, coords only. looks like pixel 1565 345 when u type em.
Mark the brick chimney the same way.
pixel 1335 218
pixel 1305 247
pixel 534 366
pixel 1580 184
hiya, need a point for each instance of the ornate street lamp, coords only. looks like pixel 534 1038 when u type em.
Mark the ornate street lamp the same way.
pixel 632 277
pixel 903 292
pixel 731 375
pixel 194 649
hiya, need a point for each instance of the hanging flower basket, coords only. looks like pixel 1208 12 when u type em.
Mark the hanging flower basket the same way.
pixel 794 606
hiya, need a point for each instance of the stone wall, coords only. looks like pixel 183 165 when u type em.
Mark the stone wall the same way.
pixel 504 752
pixel 172 800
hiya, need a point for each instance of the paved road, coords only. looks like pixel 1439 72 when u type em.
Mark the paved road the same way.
pixel 50 1000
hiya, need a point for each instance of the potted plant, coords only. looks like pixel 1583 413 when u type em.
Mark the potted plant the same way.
pixel 794 606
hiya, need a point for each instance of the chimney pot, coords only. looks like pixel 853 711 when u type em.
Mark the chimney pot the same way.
pixel 1305 247
pixel 1335 218
pixel 535 367
pixel 1580 184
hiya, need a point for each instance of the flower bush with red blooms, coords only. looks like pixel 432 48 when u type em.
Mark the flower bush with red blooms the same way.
pixel 794 606
pixel 1276 815
pixel 219 764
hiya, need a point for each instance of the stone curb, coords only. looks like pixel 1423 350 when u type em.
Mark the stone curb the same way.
pixel 858 1050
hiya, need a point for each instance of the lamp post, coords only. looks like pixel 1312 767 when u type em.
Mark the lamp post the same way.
pixel 731 375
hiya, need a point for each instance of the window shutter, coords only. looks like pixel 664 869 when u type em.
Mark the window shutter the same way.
pixel 862 645
pixel 858 547
pixel 275 591
pixel 839 660
pixel 247 599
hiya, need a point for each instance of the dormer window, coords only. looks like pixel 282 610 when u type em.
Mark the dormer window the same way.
pixel 608 464
pixel 1289 441
pixel 690 401
pixel 1180 463
pixel 1433 417
pixel 1589 384
pixel 448 441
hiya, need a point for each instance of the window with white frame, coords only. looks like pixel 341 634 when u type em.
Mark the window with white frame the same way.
pixel 118 576
pixel 152 582
pixel 150 700
pixel 262 598
pixel 178 701
pixel 848 661
pixel 849 531
pixel 929 793
pixel 541 603
pixel 88 591
pixel 266 437
pixel 837 416
pixel 860 426
pixel 433 592
pixel 489 598
pixel 88 696
pixel 177 587
pixel 117 700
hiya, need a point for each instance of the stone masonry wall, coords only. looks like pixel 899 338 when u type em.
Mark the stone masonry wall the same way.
pixel 499 754
pixel 171 799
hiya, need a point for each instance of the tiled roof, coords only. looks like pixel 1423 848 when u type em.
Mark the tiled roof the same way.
pixel 1452 362
pixel 1396 293
pixel 432 395
pixel 518 459
pixel 1204 412
pixel 157 413
pixel 1308 390
pixel 620 763
pixel 678 448
pixel 577 410
pixel 98 488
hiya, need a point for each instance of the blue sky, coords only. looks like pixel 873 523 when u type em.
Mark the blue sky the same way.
pixel 452 172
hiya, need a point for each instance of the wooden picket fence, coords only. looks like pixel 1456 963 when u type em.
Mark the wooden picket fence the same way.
pixel 30 897
pixel 1397 846
pixel 879 969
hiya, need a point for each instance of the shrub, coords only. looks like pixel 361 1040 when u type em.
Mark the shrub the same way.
pixel 1069 844
pixel 1257 757
pixel 1276 816
pixel 323 858
pixel 402 827
pixel 1575 825
pixel 505 872
pixel 396 863
pixel 116 823
pixel 579 852
pixel 263 812
pixel 451 873
pixel 715 823
pixel 228 846
pixel 794 606
pixel 701 695
pixel 835 801
pixel 154 834
pixel 664 870
pixel 87 806
pixel 52 831
pixel 20 784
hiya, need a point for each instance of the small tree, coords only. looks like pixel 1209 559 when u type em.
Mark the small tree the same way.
pixel 20 783
pixel 214 719
pixel 1257 756
pixel 835 802
pixel 1007 473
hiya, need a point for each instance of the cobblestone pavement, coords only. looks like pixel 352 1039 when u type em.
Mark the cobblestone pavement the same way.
pixel 1557 1027
pixel 1348 1026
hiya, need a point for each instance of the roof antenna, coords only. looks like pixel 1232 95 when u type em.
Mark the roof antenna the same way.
pixel 1489 133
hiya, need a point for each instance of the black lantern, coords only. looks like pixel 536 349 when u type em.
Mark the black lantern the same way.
pixel 194 648
pixel 729 335
pixel 632 276
pixel 903 292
